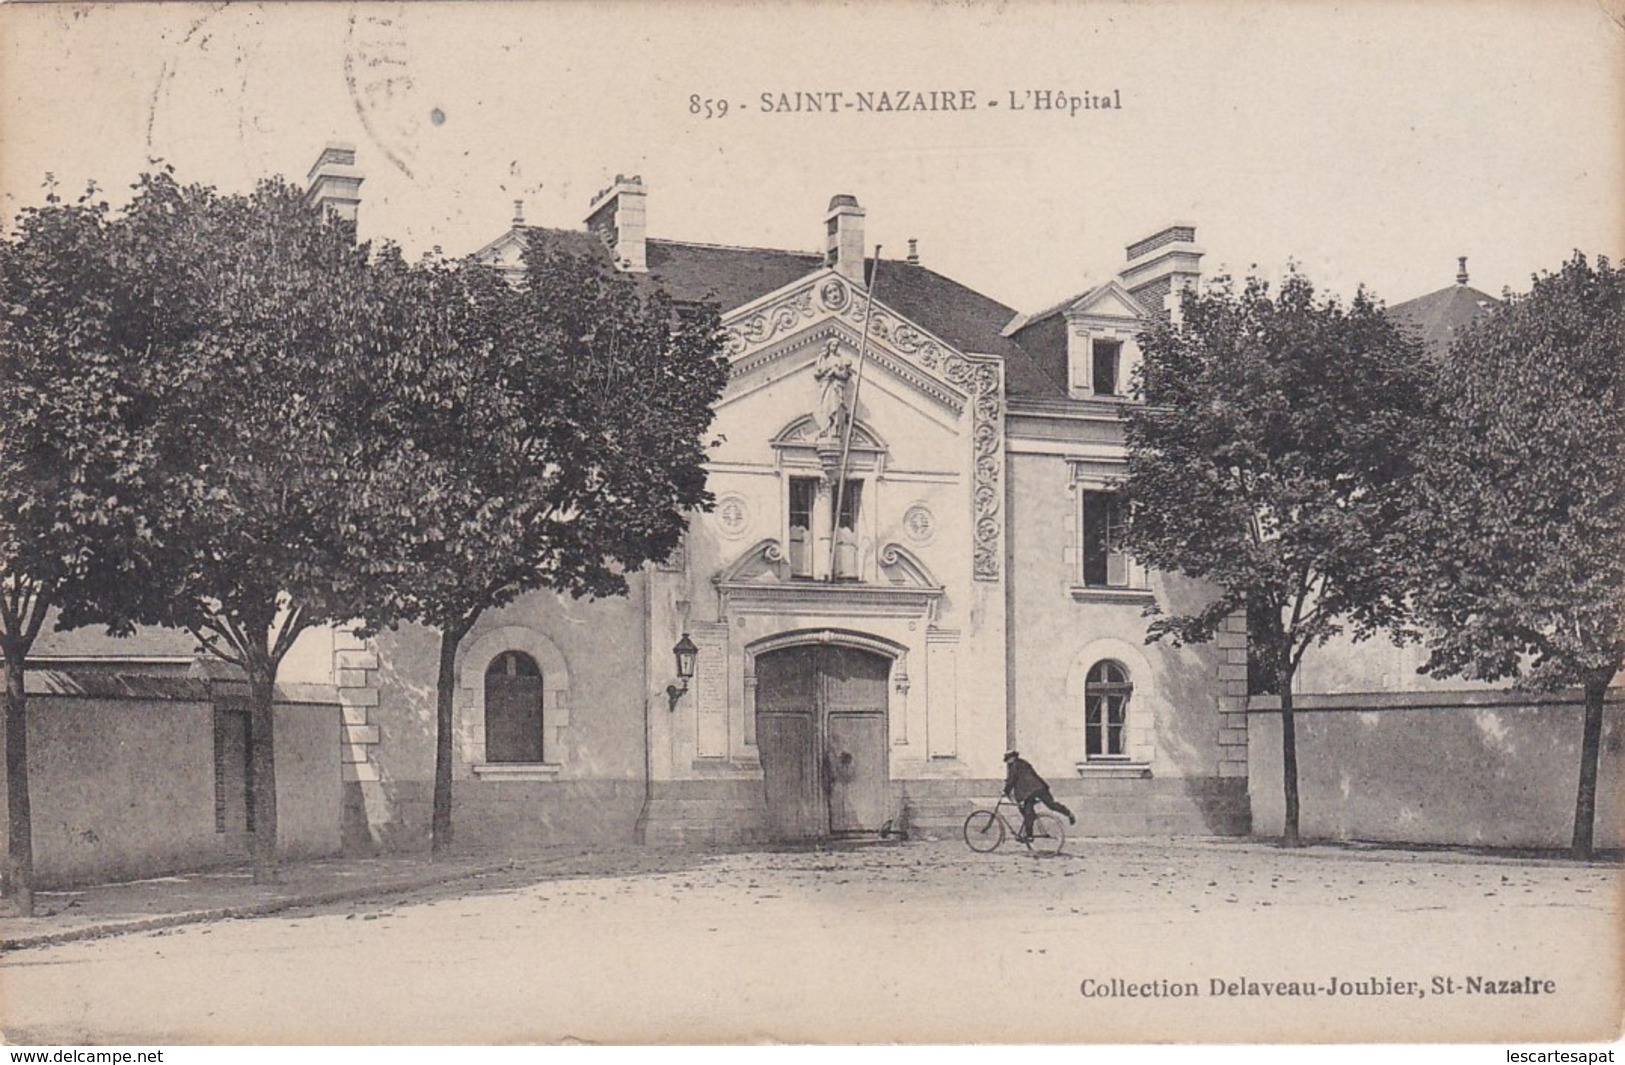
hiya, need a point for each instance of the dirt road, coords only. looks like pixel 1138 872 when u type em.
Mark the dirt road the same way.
pixel 1122 941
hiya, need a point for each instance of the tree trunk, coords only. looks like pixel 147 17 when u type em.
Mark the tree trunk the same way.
pixel 1289 760
pixel 1585 801
pixel 19 820
pixel 440 830
pixel 262 768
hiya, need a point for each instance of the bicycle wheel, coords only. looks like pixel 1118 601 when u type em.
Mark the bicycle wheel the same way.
pixel 1049 834
pixel 983 831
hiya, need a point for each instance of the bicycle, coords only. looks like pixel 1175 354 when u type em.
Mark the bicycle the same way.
pixel 986 829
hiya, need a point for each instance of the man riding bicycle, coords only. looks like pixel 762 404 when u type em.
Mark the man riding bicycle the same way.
pixel 1023 784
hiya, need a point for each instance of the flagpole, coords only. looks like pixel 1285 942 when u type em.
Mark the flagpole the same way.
pixel 851 421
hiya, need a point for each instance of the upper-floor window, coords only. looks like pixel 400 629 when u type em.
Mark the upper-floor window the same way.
pixel 846 531
pixel 810 524
pixel 803 494
pixel 1106 357
pixel 1105 563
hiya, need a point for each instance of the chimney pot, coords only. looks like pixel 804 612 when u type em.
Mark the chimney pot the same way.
pixel 1161 267
pixel 844 229
pixel 519 212
pixel 334 182
pixel 913 251
pixel 1461 270
pixel 618 216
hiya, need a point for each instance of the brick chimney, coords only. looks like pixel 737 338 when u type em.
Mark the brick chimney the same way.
pixel 618 216
pixel 334 183
pixel 1162 266
pixel 844 247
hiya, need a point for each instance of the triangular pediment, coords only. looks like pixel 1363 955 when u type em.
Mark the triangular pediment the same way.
pixel 1110 300
pixel 788 329
pixel 505 253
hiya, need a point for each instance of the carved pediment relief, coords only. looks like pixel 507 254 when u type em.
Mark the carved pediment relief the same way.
pixel 759 582
pixel 763 562
pixel 797 321
pixel 804 432
pixel 902 568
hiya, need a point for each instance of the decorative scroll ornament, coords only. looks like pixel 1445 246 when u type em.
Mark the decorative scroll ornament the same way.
pixel 981 378
pixel 770 322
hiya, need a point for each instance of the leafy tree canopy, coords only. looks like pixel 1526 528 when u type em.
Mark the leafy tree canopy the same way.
pixel 260 316
pixel 1519 517
pixel 1263 460
pixel 539 435
pixel 76 450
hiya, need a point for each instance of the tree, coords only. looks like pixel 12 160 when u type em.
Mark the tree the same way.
pixel 75 463
pixel 1265 460
pixel 545 435
pixel 1518 522
pixel 260 321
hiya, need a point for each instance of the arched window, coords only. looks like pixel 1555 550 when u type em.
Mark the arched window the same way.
pixel 513 709
pixel 1106 693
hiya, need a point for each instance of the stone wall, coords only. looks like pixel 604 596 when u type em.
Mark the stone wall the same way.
pixel 124 787
pixel 592 659
pixel 1472 768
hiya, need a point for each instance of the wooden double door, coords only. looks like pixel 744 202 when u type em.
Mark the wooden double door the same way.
pixel 821 734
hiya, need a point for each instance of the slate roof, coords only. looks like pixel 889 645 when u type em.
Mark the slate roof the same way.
pixel 734 276
pixel 96 684
pixel 92 641
pixel 1438 316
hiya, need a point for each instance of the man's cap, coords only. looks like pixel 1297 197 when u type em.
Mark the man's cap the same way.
pixel 1010 756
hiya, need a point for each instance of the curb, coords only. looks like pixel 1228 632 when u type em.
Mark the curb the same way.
pixel 255 909
pixel 1357 851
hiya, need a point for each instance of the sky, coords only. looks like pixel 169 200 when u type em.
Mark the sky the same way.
pixel 1369 141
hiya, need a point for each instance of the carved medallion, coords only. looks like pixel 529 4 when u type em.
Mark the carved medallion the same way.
pixel 919 524
pixel 832 294
pixel 732 516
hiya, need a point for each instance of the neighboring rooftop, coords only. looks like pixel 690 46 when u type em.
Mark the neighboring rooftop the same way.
pixel 92 641
pixel 1439 317
pixel 734 276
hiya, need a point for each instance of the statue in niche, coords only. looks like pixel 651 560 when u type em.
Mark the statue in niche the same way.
pixel 833 371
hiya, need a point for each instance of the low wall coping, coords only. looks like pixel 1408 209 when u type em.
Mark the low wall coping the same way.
pixel 1440 700
pixel 106 684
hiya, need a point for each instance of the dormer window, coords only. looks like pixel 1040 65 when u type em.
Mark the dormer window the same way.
pixel 1105 360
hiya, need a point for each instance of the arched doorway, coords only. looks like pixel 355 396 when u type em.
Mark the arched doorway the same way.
pixel 821 734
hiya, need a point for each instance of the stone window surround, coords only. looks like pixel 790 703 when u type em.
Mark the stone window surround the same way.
pixel 1083 331
pixel 1091 476
pixel 1140 722
pixel 469 707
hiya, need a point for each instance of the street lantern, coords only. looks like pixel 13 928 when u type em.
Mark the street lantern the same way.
pixel 685 651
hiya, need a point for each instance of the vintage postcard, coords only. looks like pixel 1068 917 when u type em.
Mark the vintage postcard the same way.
pixel 873 742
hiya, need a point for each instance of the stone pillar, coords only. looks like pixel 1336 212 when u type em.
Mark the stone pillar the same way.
pixel 823 519
pixel 1231 642
pixel 355 675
